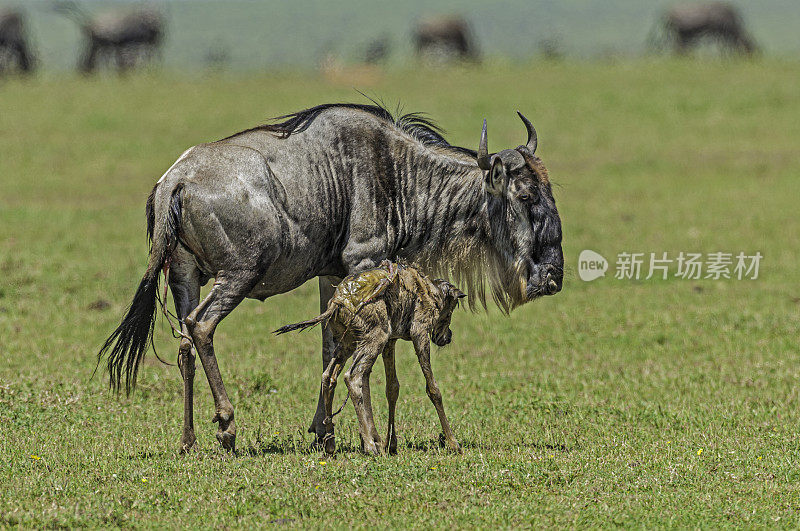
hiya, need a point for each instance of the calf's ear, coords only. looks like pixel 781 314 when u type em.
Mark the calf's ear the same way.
pixel 496 178
pixel 453 291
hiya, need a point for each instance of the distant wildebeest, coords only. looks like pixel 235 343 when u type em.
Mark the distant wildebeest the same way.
pixel 684 26
pixel 377 50
pixel 367 314
pixel 127 37
pixel 330 191
pixel 14 48
pixel 445 37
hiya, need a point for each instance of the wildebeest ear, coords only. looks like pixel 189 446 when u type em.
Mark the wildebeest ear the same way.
pixel 496 178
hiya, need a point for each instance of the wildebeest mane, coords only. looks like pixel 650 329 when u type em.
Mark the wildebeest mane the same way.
pixel 416 124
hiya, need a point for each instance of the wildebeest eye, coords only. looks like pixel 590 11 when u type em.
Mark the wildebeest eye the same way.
pixel 524 197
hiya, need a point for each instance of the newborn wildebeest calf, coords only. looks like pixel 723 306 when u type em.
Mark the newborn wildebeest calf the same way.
pixel 367 314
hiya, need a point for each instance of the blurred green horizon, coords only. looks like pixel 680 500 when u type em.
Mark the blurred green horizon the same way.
pixel 251 35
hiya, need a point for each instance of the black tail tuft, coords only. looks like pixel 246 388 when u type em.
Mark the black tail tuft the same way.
pixel 295 326
pixel 126 347
pixel 306 324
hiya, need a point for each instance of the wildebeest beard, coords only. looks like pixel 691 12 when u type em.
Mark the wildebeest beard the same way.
pixel 479 259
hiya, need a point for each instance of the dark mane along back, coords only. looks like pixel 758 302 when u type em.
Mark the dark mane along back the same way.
pixel 415 124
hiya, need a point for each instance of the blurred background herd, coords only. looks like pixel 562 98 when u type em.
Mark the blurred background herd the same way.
pixel 90 35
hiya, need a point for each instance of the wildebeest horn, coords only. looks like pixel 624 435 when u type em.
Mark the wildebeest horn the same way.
pixel 532 140
pixel 483 150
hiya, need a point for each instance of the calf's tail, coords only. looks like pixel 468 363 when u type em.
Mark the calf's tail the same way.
pixel 127 345
pixel 307 324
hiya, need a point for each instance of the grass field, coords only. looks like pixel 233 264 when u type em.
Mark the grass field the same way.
pixel 639 403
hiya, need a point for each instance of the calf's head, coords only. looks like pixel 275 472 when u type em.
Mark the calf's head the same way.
pixel 446 297
pixel 525 228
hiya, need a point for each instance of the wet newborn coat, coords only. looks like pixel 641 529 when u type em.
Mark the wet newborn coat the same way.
pixel 367 314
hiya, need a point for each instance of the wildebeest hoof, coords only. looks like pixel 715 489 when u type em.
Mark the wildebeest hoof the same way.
pixel 187 443
pixel 227 440
pixel 320 433
pixel 329 444
pixel 227 430
pixel 391 447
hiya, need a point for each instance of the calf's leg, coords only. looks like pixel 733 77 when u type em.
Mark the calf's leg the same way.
pixel 370 346
pixel 423 348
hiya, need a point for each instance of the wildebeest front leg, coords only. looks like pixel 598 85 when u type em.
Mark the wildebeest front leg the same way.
pixel 392 392
pixel 370 346
pixel 423 348
pixel 230 288
pixel 326 290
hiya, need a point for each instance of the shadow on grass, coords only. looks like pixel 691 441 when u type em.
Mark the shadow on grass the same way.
pixel 345 447
pixel 274 448
pixel 434 444
pixel 149 455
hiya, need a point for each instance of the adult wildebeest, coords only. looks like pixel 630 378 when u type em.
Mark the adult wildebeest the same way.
pixel 14 48
pixel 130 37
pixel 685 25
pixel 444 38
pixel 332 190
pixel 377 50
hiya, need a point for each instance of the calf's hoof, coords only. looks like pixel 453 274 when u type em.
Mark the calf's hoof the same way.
pixel 372 447
pixel 451 445
pixel 454 448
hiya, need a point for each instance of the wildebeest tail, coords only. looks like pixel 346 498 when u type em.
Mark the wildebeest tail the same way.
pixel 307 324
pixel 126 347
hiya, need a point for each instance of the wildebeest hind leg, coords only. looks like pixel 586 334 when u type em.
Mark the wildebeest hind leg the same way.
pixel 230 288
pixel 328 386
pixel 392 392
pixel 184 282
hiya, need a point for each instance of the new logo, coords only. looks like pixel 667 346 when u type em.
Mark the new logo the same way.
pixel 591 265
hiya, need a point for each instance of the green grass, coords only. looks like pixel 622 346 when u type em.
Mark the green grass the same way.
pixel 648 404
